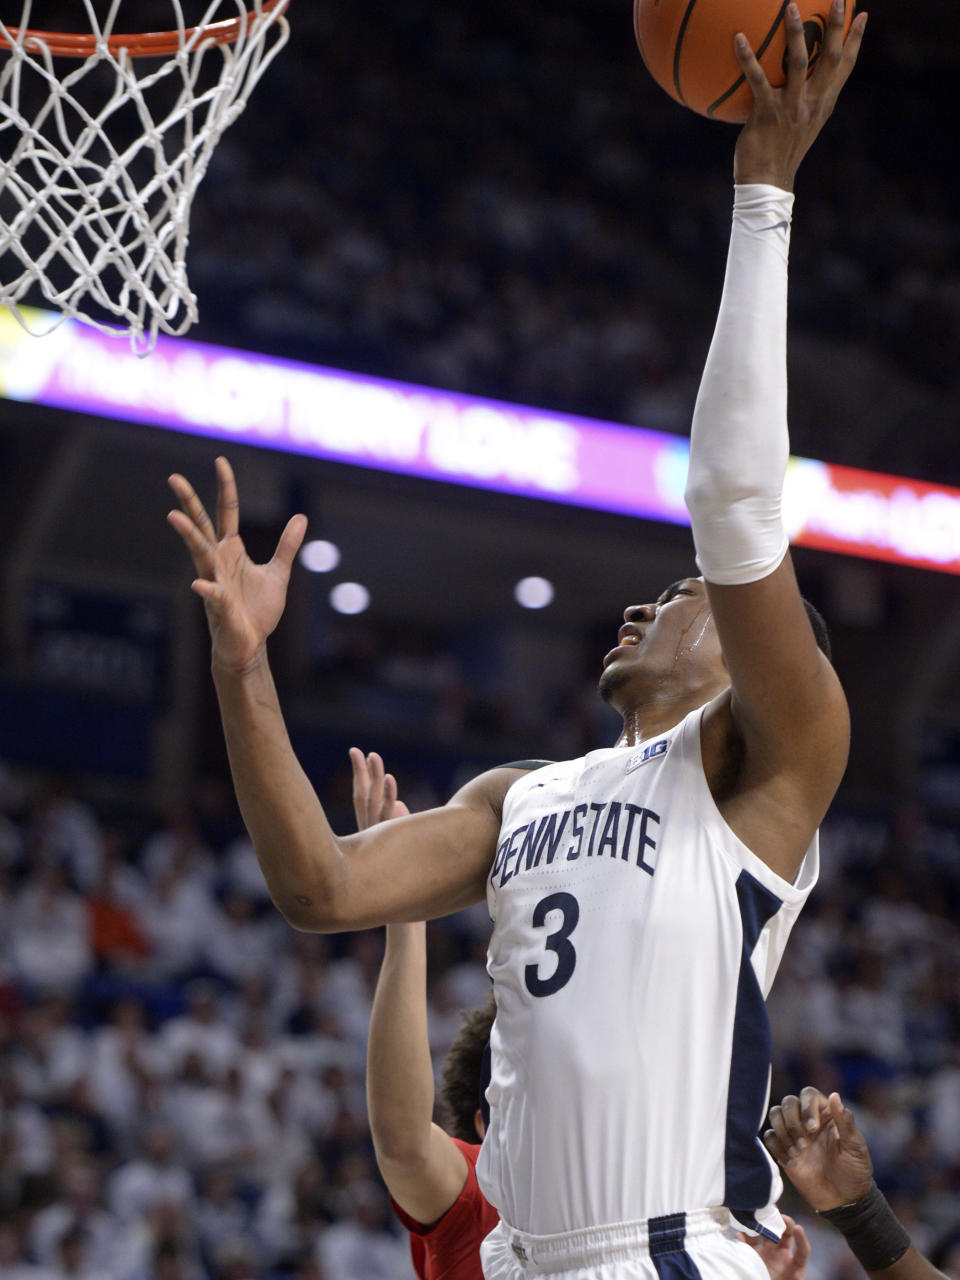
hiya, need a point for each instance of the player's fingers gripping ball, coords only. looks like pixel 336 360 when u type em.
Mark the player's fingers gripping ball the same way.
pixel 687 46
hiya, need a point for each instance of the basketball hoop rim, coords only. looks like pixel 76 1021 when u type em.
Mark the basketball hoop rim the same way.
pixel 146 44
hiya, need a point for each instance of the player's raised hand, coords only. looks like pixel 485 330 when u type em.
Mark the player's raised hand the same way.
pixel 244 601
pixel 817 1143
pixel 785 122
pixel 374 790
pixel 785 1259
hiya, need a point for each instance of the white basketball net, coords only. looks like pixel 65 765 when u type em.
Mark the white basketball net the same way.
pixel 100 158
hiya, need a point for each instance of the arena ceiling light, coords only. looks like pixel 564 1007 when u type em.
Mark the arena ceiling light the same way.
pixel 319 556
pixel 533 593
pixel 350 598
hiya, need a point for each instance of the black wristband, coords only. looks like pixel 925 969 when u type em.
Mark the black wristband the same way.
pixel 871 1229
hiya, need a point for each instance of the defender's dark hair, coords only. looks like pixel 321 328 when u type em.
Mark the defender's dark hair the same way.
pixel 461 1070
pixel 820 632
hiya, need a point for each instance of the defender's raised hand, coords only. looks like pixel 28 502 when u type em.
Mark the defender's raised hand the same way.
pixel 816 1141
pixel 785 122
pixel 374 790
pixel 244 601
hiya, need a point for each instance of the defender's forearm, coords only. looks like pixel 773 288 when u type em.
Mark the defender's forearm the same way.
pixel 400 1089
pixel 298 852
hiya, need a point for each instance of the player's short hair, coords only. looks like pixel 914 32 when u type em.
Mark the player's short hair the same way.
pixel 461 1073
pixel 820 632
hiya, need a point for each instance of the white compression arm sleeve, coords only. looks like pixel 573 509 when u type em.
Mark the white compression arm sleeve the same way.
pixel 739 445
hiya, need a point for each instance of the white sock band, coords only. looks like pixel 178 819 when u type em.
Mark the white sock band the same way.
pixel 739 445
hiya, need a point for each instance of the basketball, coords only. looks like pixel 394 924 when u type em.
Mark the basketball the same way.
pixel 687 46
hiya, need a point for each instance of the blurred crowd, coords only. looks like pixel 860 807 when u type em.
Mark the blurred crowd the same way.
pixel 499 200
pixel 182 1075
pixel 473 692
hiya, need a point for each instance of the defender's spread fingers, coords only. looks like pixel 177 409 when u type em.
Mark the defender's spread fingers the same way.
pixel 359 763
pixel 361 783
pixel 389 797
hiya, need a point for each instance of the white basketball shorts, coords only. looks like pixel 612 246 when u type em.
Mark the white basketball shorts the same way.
pixel 679 1246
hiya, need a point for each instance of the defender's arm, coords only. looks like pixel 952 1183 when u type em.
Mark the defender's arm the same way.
pixel 423 1167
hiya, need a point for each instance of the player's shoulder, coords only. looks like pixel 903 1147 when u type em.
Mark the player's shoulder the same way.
pixel 516 773
pixel 488 790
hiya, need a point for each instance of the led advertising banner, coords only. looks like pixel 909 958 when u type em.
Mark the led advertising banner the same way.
pixel 237 396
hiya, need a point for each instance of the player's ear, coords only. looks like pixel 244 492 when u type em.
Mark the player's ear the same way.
pixel 478 1124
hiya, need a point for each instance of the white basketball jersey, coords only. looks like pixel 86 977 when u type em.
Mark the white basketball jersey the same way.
pixel 635 940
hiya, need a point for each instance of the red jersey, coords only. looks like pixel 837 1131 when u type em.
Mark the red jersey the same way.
pixel 450 1248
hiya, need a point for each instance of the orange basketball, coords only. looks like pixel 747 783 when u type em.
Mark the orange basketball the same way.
pixel 687 46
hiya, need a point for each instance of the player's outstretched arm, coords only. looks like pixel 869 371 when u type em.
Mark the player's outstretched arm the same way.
pixel 423 1167
pixel 431 864
pixel 787 706
pixel 816 1141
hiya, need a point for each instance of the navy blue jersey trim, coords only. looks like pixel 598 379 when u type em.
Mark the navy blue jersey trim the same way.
pixel 526 764
pixel 748 1180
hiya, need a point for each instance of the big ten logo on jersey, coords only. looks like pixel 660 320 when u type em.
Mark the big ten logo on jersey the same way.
pixel 610 830
pixel 653 751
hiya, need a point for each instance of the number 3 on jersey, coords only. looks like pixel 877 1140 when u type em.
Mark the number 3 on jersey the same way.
pixel 558 941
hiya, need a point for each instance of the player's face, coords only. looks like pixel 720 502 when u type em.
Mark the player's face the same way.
pixel 670 643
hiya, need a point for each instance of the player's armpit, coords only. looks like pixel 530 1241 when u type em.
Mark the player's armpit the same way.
pixel 412 868
pixel 426 1187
